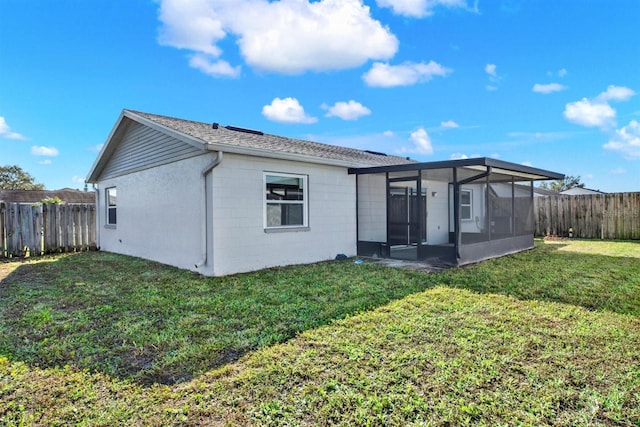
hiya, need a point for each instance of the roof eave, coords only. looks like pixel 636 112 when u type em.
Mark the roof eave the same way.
pixel 101 160
pixel 281 155
pixel 540 174
pixel 111 142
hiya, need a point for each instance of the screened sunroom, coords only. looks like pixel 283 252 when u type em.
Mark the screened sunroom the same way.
pixel 452 212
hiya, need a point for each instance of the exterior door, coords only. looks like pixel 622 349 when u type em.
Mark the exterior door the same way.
pixel 406 220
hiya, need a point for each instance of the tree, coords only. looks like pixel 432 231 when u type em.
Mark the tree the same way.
pixel 563 184
pixel 14 178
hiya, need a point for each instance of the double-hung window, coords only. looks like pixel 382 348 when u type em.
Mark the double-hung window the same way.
pixel 285 200
pixel 466 207
pixel 111 202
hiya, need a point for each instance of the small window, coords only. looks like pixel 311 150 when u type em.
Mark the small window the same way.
pixel 466 207
pixel 285 200
pixel 111 205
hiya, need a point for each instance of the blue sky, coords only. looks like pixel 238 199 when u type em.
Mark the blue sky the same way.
pixel 551 84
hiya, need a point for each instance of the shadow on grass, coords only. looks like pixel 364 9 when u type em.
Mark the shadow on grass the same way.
pixel 558 273
pixel 139 320
pixel 135 319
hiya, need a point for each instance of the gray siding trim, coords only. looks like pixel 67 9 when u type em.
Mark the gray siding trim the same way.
pixel 142 148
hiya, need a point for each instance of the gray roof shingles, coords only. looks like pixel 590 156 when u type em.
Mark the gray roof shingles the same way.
pixel 273 143
pixel 67 195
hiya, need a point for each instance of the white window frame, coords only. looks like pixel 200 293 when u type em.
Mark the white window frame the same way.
pixel 470 204
pixel 304 202
pixel 109 207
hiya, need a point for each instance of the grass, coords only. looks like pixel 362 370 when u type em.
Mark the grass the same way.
pixel 549 336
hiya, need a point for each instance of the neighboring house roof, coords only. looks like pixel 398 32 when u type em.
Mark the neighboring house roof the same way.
pixel 67 195
pixel 575 191
pixel 211 136
pixel 539 192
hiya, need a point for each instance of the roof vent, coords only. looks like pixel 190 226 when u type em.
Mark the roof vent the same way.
pixel 376 153
pixel 214 126
pixel 251 131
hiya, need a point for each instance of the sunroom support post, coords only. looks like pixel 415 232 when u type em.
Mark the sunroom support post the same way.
pixel 421 210
pixel 488 209
pixel 388 200
pixel 513 206
pixel 357 212
pixel 456 213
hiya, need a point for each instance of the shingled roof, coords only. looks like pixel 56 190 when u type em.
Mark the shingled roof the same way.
pixel 255 141
pixel 67 195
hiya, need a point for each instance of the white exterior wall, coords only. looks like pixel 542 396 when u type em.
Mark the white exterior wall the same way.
pixel 159 213
pixel 240 243
pixel 372 208
pixel 437 212
pixel 477 206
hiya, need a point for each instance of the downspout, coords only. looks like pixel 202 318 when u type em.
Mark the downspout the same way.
pixel 215 162
pixel 98 213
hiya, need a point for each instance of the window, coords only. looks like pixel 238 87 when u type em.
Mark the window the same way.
pixel 111 205
pixel 285 200
pixel 466 208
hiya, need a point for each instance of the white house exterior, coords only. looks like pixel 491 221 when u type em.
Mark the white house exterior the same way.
pixel 222 200
pixel 194 195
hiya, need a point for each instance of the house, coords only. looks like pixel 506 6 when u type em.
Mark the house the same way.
pixel 580 191
pixel 543 192
pixel 67 195
pixel 221 200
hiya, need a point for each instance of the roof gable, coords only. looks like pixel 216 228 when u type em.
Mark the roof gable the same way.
pixel 206 136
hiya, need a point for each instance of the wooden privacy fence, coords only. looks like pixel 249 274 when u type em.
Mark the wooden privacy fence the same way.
pixel 593 216
pixel 36 229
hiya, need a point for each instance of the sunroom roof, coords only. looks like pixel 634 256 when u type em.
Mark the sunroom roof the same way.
pixel 482 164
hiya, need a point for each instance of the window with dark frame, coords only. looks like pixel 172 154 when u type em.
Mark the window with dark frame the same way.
pixel 285 200
pixel 466 207
pixel 112 202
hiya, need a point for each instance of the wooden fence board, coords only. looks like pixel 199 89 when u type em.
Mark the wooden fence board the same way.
pixel 38 229
pixel 594 216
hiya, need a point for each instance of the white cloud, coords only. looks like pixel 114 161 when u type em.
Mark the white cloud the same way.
pixel 462 156
pixel 215 68
pixel 616 93
pixel 597 112
pixel 618 171
pixel 6 132
pixel 350 110
pixel 421 143
pixel 626 140
pixel 491 70
pixel 96 148
pixel 527 163
pixel 41 150
pixel 45 162
pixel 548 88
pixel 562 72
pixel 287 36
pixel 422 8
pixel 78 179
pixel 494 78
pixel 409 73
pixel 449 124
pixel 286 110
pixel 590 113
pixel 195 25
pixel 388 133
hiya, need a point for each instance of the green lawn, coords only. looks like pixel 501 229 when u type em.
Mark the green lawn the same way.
pixel 549 336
